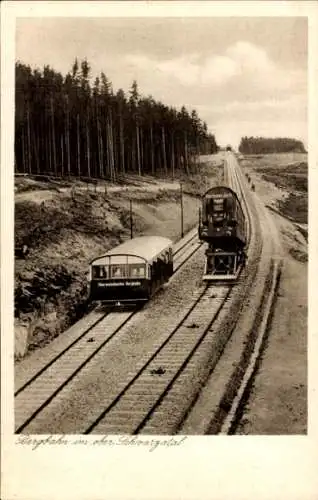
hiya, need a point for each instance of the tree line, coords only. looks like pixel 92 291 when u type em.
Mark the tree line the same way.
pixel 67 126
pixel 263 145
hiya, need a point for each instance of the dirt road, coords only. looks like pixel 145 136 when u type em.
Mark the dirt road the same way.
pixel 278 400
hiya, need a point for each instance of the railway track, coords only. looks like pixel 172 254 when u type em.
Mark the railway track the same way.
pixel 138 402
pixel 153 397
pixel 183 251
pixel 38 386
pixel 157 394
pixel 218 406
pixel 269 271
pixel 152 386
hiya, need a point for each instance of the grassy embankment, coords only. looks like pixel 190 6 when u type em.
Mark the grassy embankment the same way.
pixel 284 189
pixel 278 400
pixel 288 172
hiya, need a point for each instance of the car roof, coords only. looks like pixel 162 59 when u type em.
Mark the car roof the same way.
pixel 142 247
pixel 220 190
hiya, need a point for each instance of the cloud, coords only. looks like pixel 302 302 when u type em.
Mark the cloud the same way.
pixel 232 132
pixel 245 76
pixel 188 70
pixel 213 71
pixel 241 91
pixel 293 108
pixel 244 70
pixel 271 119
pixel 250 57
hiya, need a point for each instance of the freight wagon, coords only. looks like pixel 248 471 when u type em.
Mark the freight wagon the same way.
pixel 222 225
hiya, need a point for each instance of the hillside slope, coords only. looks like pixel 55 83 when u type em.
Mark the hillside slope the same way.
pixel 64 225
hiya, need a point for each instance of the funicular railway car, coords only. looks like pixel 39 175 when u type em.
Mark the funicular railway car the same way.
pixel 222 225
pixel 132 272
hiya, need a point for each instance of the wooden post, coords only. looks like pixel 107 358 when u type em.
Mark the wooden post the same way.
pixel 131 219
pixel 78 147
pixel 53 137
pixel 29 139
pixel 67 126
pixel 122 145
pixel 88 152
pixel 181 203
pixel 164 149
pixel 172 155
pixel 152 151
pixel 62 152
pixel 138 148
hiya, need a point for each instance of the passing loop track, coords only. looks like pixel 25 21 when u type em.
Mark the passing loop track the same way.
pixel 148 398
pixel 225 386
pixel 37 388
pixel 23 385
pixel 231 420
pixel 269 274
pixel 141 406
pixel 142 395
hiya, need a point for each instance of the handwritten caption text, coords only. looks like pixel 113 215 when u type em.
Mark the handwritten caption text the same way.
pixel 110 441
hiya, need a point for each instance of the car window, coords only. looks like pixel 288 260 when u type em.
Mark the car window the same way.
pixel 118 271
pixel 137 270
pixel 100 271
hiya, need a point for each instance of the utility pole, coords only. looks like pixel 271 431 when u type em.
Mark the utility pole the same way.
pixel 131 219
pixel 181 203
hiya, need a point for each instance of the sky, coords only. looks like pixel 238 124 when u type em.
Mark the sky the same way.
pixel 244 75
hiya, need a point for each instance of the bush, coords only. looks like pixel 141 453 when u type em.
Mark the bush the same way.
pixel 45 285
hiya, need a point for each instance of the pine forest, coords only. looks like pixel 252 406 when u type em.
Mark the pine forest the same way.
pixel 67 126
pixel 267 145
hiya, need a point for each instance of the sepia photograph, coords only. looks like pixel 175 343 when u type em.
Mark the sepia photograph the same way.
pixel 161 226
pixel 160 259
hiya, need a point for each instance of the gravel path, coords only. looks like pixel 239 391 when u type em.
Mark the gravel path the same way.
pixel 278 399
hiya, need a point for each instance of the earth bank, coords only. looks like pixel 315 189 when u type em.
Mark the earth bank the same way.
pixel 278 399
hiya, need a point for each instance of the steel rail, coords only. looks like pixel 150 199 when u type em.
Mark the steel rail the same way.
pixel 147 363
pixel 66 350
pixel 95 323
pixel 98 421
